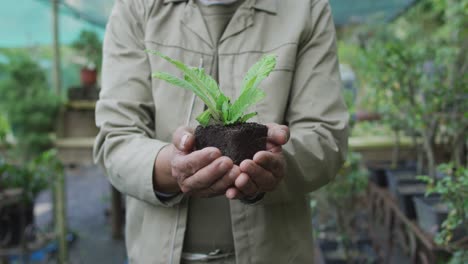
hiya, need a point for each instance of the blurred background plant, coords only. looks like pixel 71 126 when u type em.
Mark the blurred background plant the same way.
pixel 28 162
pixel 338 206
pixel 4 129
pixel 88 45
pixel 30 106
pixel 453 190
pixel 415 75
pixel 33 176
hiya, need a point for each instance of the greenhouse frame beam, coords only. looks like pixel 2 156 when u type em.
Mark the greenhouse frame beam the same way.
pixel 60 220
pixel 74 12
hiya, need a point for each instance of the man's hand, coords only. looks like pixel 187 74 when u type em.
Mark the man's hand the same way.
pixel 201 173
pixel 265 171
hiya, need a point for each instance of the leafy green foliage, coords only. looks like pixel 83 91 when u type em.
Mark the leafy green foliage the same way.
pixel 416 69
pixel 351 180
pixel 89 45
pixel 31 108
pixel 453 189
pixel 32 177
pixel 4 129
pixel 220 109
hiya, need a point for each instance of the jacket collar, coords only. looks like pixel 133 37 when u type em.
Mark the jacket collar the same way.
pixel 270 6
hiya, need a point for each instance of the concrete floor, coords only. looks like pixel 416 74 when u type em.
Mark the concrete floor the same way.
pixel 88 197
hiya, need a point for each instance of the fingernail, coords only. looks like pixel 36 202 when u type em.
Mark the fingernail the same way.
pixel 183 141
pixel 270 133
pixel 284 134
pixel 233 173
pixel 223 166
pixel 214 154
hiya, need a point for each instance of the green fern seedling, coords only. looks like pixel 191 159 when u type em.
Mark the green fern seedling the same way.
pixel 220 110
pixel 224 123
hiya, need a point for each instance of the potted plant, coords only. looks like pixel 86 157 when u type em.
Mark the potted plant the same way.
pixel 31 111
pixel 31 108
pixel 447 217
pixel 31 178
pixel 89 46
pixel 338 206
pixel 224 123
pixel 395 81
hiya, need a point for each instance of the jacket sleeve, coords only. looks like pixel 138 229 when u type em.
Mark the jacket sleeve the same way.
pixel 125 145
pixel 317 115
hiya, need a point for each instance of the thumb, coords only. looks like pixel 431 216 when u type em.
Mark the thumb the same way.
pixel 183 139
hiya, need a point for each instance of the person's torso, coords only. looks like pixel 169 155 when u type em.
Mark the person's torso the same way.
pixel 208 214
pixel 266 233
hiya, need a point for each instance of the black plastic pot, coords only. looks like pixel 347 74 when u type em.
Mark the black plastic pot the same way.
pixel 378 170
pixel 398 177
pixel 335 261
pixel 327 245
pixel 14 220
pixel 405 194
pixel 431 212
pixel 378 176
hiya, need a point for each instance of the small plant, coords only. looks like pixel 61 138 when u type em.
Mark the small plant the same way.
pixel 453 189
pixel 224 123
pixel 33 176
pixel 220 109
pixel 30 106
pixel 89 46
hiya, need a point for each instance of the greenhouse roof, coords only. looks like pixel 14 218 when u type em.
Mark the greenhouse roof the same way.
pixel 359 11
pixel 28 22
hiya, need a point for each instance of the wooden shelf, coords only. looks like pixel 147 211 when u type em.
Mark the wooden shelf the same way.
pixel 357 143
pixel 81 105
pixel 86 142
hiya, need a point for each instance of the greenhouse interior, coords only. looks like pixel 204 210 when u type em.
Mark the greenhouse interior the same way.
pixel 103 162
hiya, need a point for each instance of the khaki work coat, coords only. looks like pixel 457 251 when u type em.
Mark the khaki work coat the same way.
pixel 137 115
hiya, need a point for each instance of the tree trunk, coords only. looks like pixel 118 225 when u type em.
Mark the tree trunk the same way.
pixel 459 147
pixel 60 217
pixel 342 228
pixel 430 158
pixel 419 155
pixel 428 143
pixel 396 149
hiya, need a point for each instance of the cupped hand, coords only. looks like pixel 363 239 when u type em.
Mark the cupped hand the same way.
pixel 265 171
pixel 200 173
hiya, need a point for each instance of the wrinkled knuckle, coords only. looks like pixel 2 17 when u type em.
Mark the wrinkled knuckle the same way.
pixel 225 164
pixel 200 184
pixel 175 163
pixel 226 181
pixel 184 188
pixel 212 191
pixel 250 166
pixel 178 133
pixel 232 175
pixel 190 167
pixel 176 174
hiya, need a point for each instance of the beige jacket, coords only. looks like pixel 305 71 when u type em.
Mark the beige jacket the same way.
pixel 137 116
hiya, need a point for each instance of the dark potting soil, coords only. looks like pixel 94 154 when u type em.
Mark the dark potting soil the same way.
pixel 238 142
